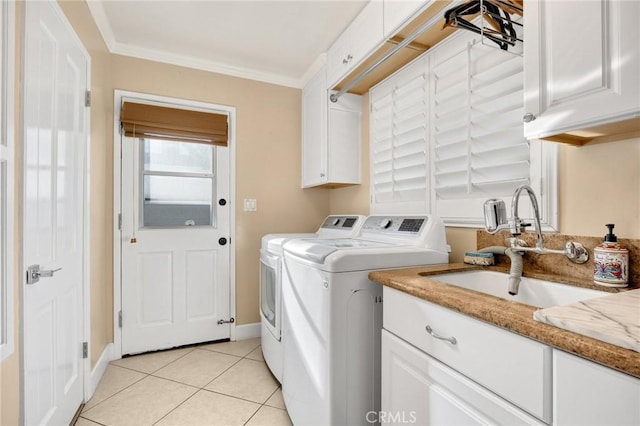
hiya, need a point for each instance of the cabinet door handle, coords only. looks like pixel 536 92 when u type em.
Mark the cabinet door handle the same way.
pixel 321 174
pixel 528 117
pixel 452 340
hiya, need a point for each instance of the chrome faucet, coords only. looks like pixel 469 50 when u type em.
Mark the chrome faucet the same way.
pixel 495 219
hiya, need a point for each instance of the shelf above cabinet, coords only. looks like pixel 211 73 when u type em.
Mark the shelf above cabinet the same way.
pixel 426 40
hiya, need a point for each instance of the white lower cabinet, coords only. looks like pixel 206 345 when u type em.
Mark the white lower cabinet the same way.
pixel 586 393
pixel 418 389
pixel 440 367
pixel 515 368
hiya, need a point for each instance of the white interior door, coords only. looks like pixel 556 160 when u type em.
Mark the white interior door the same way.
pixel 55 138
pixel 175 276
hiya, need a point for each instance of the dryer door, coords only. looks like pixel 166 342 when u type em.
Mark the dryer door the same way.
pixel 270 287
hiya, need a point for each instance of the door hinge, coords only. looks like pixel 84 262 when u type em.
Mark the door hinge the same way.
pixel 87 98
pixel 120 319
pixel 85 350
pixel 119 221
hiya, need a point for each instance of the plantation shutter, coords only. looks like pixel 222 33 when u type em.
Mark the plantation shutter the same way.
pixel 479 144
pixel 399 131
pixel 477 138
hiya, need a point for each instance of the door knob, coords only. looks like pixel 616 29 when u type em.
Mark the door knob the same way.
pixel 34 273
pixel 222 201
pixel 222 241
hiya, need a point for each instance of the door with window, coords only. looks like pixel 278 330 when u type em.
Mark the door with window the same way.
pixel 175 243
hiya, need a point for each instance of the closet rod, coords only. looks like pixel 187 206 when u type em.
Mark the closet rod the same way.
pixel 410 38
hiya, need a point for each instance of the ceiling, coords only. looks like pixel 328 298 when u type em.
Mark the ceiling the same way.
pixel 279 42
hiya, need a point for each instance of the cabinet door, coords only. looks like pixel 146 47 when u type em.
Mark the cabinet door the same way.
pixel 586 393
pixel 418 389
pixel 396 12
pixel 337 60
pixel 362 35
pixel 582 64
pixel 365 32
pixel 314 131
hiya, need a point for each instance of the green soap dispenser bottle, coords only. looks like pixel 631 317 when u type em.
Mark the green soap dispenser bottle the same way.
pixel 610 262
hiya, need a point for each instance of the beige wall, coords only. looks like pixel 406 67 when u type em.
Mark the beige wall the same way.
pixel 101 177
pixel 267 157
pixel 599 183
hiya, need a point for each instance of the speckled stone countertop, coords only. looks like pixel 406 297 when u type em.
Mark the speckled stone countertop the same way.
pixel 423 282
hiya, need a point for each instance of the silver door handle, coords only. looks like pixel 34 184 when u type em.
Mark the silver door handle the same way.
pixel 452 340
pixel 34 273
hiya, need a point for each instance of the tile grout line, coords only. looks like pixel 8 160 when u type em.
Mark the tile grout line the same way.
pixel 116 393
pixel 176 407
pixel 197 388
pixel 146 375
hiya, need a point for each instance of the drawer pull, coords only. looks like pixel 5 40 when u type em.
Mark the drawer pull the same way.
pixel 452 340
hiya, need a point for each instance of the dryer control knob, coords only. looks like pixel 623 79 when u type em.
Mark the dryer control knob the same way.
pixel 385 223
pixel 336 221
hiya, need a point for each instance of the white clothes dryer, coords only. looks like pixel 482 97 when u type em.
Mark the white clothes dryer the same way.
pixel 333 315
pixel 334 226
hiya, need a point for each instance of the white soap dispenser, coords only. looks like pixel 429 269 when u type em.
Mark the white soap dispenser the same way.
pixel 610 262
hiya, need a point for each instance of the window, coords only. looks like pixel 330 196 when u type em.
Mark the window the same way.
pixel 399 129
pixel 177 183
pixel 7 48
pixel 474 137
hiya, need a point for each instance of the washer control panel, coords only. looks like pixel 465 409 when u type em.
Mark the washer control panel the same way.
pixel 395 224
pixel 340 222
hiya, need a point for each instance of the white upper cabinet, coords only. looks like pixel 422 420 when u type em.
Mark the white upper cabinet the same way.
pixel 397 12
pixel 582 65
pixel 357 41
pixel 330 136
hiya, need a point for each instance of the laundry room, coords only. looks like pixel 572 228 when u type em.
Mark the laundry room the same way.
pixel 372 155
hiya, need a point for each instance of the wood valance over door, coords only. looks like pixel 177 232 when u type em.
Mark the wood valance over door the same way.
pixel 159 122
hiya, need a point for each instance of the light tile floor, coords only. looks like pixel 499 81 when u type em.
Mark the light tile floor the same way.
pixel 213 384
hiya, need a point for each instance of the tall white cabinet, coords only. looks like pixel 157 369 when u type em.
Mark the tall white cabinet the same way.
pixel 330 136
pixel 582 65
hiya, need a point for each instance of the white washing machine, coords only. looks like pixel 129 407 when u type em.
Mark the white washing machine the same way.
pixel 335 226
pixel 333 315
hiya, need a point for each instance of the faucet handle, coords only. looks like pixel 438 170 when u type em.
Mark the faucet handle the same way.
pixel 576 252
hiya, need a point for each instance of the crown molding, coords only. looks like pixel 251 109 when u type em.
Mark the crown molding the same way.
pixel 102 22
pixel 204 65
pixel 320 61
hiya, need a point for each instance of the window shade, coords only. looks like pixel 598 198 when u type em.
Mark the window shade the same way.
pixel 478 140
pixel 399 117
pixel 158 122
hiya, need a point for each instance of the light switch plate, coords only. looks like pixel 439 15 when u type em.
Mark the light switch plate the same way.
pixel 250 205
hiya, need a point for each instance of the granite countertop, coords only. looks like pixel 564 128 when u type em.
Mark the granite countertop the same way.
pixel 422 282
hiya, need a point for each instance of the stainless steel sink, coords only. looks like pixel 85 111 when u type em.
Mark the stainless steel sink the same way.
pixel 534 292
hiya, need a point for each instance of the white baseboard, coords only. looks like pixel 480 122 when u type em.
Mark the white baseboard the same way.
pixel 98 371
pixel 245 331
